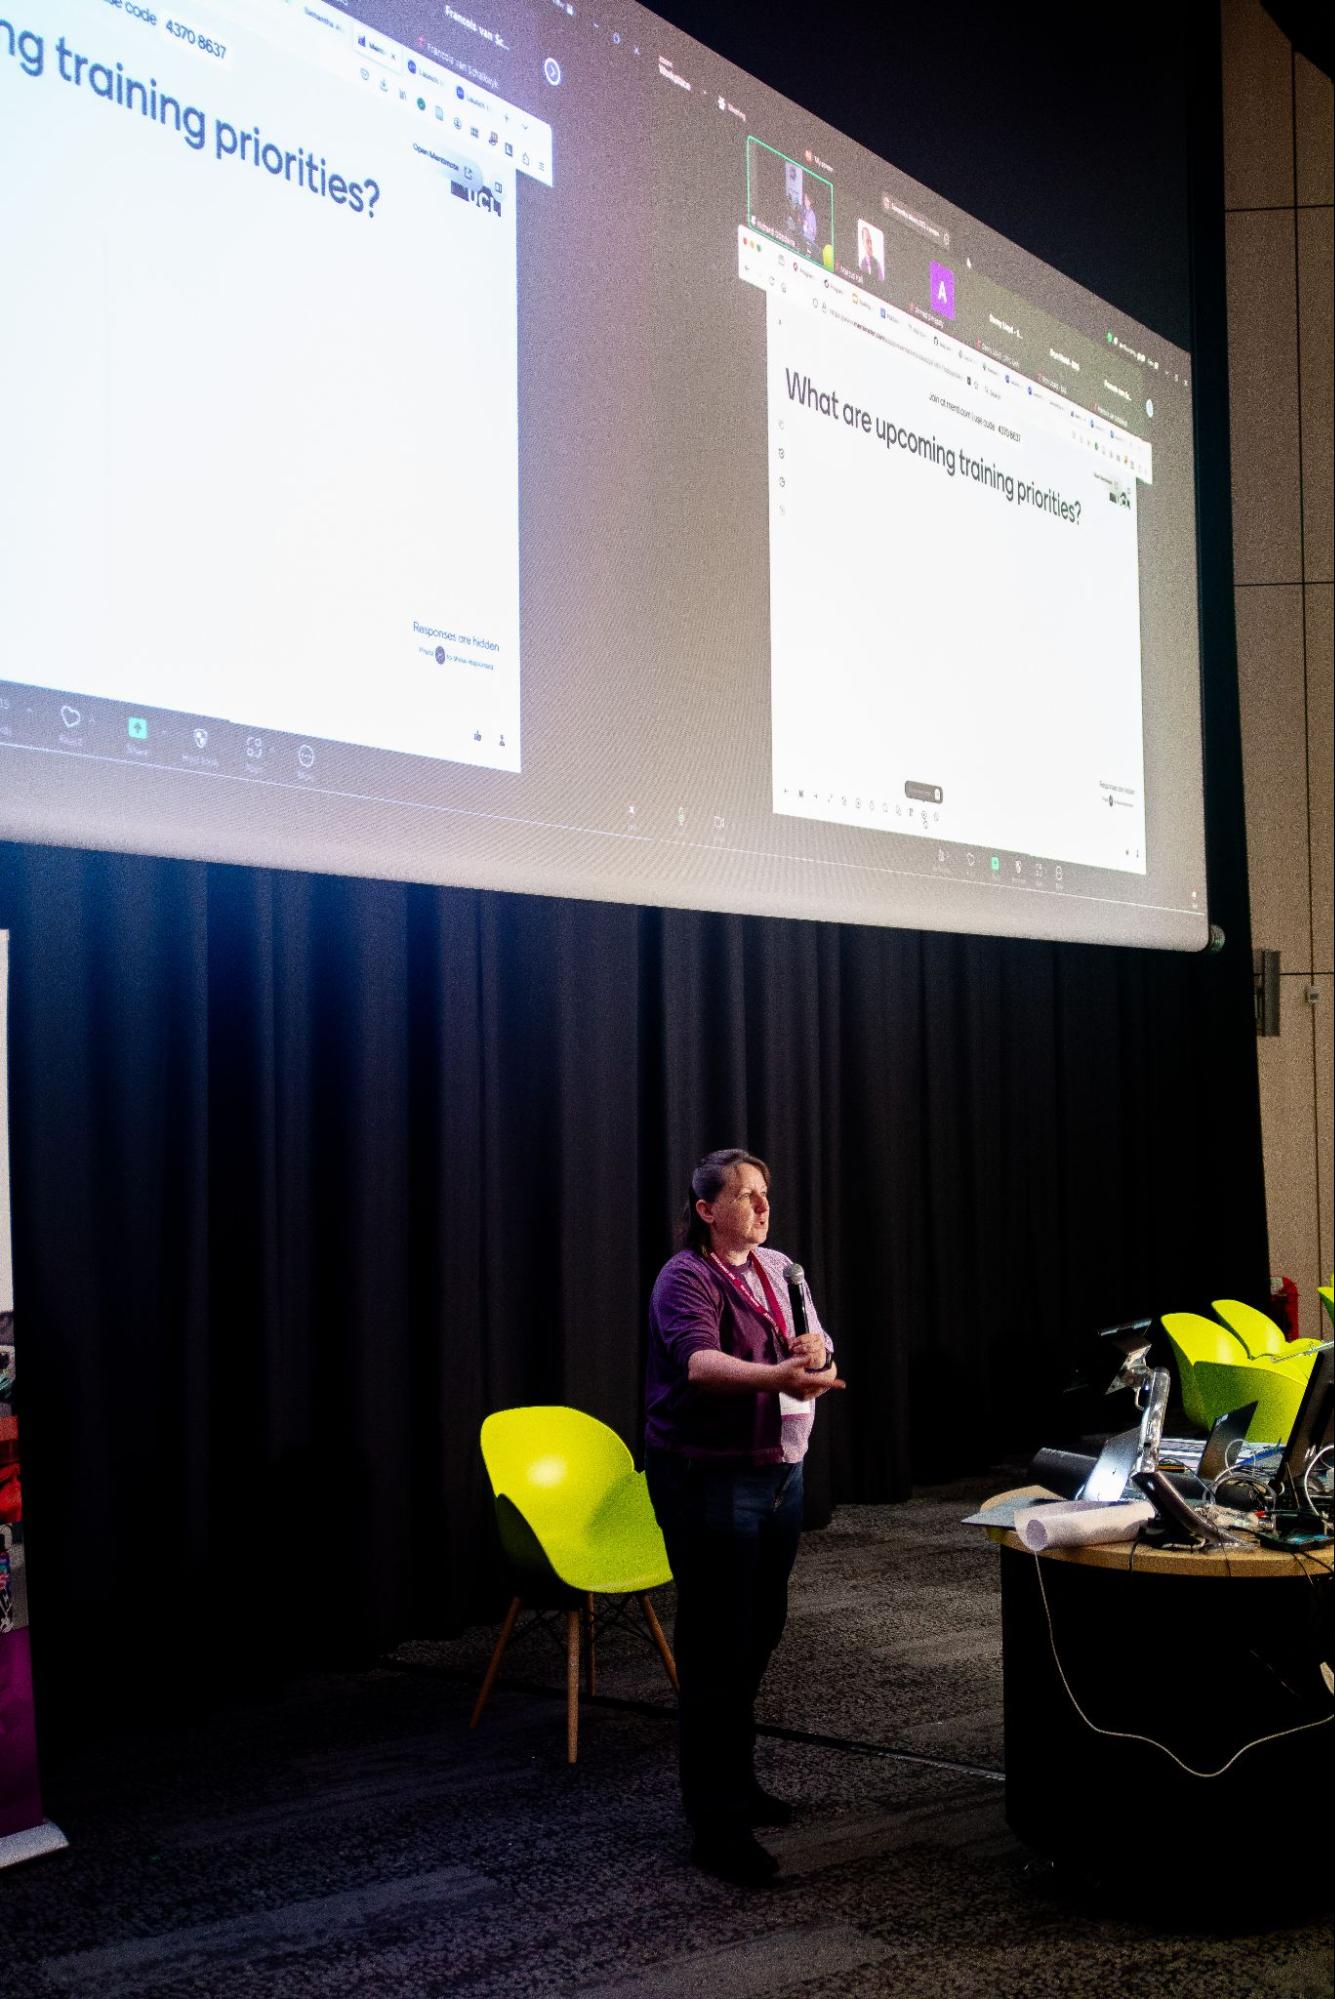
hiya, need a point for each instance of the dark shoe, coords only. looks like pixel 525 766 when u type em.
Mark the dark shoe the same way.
pixel 763 1808
pixel 734 1856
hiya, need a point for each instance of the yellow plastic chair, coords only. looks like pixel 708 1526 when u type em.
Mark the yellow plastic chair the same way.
pixel 1276 1391
pixel 576 1522
pixel 1195 1339
pixel 1259 1334
pixel 1326 1293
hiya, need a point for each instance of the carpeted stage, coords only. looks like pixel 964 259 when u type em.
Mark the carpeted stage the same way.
pixel 352 1837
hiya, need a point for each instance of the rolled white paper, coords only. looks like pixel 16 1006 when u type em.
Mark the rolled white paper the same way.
pixel 1078 1523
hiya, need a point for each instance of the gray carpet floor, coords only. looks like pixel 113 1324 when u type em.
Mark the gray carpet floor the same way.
pixel 354 1837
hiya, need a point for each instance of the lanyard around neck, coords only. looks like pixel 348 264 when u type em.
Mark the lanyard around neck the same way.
pixel 771 1310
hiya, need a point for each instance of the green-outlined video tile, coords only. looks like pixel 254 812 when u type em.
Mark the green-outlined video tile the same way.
pixel 790 201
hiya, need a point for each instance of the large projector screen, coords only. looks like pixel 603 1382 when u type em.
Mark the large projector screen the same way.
pixel 508 445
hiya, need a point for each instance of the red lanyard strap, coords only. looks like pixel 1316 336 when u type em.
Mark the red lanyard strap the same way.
pixel 771 1309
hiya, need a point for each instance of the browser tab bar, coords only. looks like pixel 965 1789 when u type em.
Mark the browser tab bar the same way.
pixel 377 49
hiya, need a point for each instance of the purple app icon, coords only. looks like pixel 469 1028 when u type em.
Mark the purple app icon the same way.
pixel 943 290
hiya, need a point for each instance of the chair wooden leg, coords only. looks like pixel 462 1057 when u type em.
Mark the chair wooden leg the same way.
pixel 664 1649
pixel 590 1664
pixel 572 1685
pixel 494 1668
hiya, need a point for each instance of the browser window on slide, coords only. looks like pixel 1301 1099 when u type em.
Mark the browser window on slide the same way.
pixel 954 587
pixel 327 359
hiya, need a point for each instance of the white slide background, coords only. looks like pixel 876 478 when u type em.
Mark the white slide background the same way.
pixel 297 430
pixel 926 628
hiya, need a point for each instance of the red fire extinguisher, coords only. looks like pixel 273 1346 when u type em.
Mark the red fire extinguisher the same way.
pixel 1284 1305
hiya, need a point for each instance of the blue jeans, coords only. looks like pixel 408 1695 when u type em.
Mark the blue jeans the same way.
pixel 731 1539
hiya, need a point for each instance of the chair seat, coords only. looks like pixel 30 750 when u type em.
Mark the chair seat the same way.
pixel 583 1569
pixel 621 1550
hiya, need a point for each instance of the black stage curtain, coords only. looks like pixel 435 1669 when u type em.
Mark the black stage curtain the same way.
pixel 309 1174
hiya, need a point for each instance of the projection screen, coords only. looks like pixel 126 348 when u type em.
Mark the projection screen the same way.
pixel 508 445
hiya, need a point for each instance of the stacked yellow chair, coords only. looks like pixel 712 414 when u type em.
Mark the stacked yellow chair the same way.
pixel 576 1522
pixel 1260 1335
pixel 1197 1342
pixel 1218 1375
pixel 1276 1391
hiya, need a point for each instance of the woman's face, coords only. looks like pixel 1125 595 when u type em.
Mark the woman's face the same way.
pixel 738 1216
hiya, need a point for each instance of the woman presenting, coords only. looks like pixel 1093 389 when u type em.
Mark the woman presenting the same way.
pixel 730 1400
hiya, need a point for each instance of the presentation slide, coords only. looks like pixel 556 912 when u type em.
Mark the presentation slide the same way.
pixel 945 574
pixel 396 483
pixel 306 309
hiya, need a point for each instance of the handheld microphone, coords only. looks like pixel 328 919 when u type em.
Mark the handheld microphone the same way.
pixel 793 1277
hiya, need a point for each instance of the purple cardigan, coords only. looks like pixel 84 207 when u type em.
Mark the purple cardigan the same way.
pixel 693 1306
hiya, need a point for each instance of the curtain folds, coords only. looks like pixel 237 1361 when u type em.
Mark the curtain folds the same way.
pixel 310 1174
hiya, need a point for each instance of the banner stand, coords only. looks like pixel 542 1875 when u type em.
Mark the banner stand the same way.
pixel 24 1833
